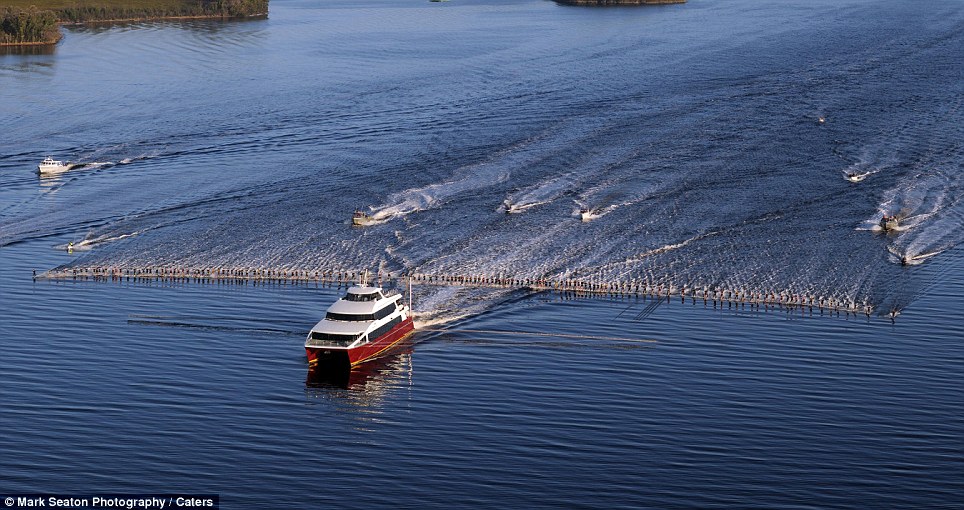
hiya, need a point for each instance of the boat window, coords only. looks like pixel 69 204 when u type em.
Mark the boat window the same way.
pixel 351 317
pixel 360 297
pixel 356 317
pixel 331 339
pixel 381 330
pixel 386 311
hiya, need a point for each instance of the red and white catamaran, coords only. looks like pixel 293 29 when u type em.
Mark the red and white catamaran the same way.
pixel 364 324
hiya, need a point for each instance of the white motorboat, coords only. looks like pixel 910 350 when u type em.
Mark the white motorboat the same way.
pixel 587 214
pixel 361 219
pixel 50 165
pixel 889 223
pixel 856 177
pixel 364 324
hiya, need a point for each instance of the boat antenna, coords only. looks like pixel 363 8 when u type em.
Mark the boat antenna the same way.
pixel 364 278
pixel 410 293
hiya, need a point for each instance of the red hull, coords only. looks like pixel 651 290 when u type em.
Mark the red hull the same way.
pixel 362 353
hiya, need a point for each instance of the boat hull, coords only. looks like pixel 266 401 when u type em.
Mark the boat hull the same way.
pixel 342 357
pixel 50 169
pixel 362 220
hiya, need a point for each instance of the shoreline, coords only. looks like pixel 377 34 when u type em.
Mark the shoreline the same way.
pixel 41 26
pixel 60 36
pixel 160 18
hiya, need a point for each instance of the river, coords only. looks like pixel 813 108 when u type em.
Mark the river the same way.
pixel 711 139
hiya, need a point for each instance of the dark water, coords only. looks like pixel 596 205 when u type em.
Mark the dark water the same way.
pixel 691 129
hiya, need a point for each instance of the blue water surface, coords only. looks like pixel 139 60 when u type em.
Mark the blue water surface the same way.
pixel 693 131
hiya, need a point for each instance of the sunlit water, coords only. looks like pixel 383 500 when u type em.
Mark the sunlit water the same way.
pixel 693 133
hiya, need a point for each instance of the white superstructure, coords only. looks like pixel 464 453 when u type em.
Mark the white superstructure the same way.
pixel 362 316
pixel 49 165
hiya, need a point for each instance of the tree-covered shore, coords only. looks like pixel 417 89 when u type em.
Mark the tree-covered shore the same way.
pixel 37 23
pixel 28 26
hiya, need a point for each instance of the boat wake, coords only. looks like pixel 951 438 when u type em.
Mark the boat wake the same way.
pixel 910 258
pixel 540 194
pixel 930 212
pixel 132 159
pixel 856 175
pixel 421 199
pixel 422 321
pixel 494 170
pixel 90 241
pixel 710 183
pixel 589 207
pixel 587 213
pixel 533 152
pixel 599 164
pixel 634 260
pixel 675 246
pixel 918 200
pixel 435 306
pixel 253 330
pixel 869 163
pixel 96 164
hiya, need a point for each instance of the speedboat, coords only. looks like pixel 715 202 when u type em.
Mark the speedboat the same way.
pixel 510 208
pixel 50 165
pixel 363 325
pixel 360 219
pixel 586 214
pixel 856 177
pixel 888 223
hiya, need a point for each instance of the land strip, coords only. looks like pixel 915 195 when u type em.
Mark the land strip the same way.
pixel 24 22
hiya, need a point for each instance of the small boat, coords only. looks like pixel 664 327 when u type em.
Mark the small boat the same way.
pixel 586 214
pixel 856 177
pixel 510 208
pixel 50 165
pixel 363 325
pixel 821 120
pixel 888 223
pixel 360 219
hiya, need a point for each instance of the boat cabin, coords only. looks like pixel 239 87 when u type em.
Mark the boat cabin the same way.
pixel 888 223
pixel 48 161
pixel 349 320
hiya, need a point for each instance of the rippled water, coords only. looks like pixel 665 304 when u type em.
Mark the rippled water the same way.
pixel 691 130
